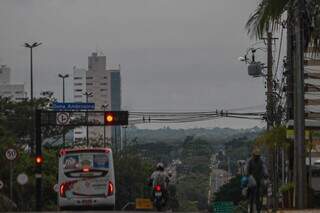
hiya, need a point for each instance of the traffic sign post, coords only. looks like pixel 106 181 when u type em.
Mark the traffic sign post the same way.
pixel 63 118
pixel 11 155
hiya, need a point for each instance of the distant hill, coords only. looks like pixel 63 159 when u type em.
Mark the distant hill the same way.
pixel 168 135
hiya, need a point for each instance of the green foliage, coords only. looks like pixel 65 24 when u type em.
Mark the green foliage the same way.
pixel 275 137
pixel 230 191
pixel 16 127
pixel 270 12
pixel 286 187
pixel 131 174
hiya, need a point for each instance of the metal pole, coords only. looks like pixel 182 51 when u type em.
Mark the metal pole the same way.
pixel 104 136
pixel 87 121
pixel 63 99
pixel 63 95
pixel 38 174
pixel 31 74
pixel 299 122
pixel 11 180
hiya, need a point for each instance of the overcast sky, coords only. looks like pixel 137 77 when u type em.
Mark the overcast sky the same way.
pixel 175 54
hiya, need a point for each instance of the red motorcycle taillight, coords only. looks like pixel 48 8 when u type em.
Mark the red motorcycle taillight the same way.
pixel 110 188
pixel 157 188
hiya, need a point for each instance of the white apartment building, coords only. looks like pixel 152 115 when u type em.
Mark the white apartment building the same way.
pixel 79 88
pixel 98 83
pixel 95 80
pixel 14 91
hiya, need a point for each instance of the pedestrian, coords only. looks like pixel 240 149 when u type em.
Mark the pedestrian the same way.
pixel 257 173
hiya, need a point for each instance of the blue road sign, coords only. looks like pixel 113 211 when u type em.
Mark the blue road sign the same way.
pixel 73 106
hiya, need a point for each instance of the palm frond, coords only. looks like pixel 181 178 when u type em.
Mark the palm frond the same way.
pixel 268 13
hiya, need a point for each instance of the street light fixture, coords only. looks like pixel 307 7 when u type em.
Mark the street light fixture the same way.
pixel 31 46
pixel 63 87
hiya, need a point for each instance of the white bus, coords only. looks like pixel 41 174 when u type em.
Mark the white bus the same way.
pixel 86 179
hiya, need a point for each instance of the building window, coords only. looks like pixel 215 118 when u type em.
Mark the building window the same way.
pixel 77 78
pixel 78 96
pixel 103 84
pixel 78 84
pixel 77 133
pixel 78 90
pixel 18 92
pixel 89 84
pixel 103 89
pixel 89 77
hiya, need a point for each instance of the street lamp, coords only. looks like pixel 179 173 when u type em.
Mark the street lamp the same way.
pixel 31 46
pixel 104 107
pixel 87 94
pixel 63 90
pixel 63 100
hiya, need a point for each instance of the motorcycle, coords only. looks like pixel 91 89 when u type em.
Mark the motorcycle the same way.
pixel 158 197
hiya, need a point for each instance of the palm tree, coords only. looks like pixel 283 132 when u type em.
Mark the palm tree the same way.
pixel 270 12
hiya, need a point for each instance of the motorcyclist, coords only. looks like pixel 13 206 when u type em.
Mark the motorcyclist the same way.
pixel 256 172
pixel 160 177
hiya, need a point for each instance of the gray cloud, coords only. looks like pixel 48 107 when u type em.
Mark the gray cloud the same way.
pixel 175 54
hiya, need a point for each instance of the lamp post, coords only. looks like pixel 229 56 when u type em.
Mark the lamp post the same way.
pixel 63 77
pixel 63 100
pixel 104 107
pixel 31 46
pixel 87 94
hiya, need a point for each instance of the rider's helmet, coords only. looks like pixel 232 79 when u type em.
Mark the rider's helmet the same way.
pixel 160 166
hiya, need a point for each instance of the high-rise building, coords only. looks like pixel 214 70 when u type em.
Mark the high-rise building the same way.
pixel 79 88
pixel 116 102
pixel 14 91
pixel 104 83
pixel 98 83
pixel 79 84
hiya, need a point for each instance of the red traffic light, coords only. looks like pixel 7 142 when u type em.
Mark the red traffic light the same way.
pixel 39 160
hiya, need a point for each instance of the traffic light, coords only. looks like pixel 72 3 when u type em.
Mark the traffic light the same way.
pixel 39 160
pixel 116 118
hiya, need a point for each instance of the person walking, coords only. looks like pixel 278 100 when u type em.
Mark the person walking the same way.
pixel 257 173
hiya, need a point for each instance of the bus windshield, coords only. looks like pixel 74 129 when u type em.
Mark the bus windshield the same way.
pixel 85 164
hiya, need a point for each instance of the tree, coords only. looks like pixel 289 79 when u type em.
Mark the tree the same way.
pixel 269 14
pixel 230 192
pixel 131 175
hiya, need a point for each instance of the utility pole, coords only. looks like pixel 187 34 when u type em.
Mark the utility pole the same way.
pixel 289 167
pixel 87 94
pixel 270 116
pixel 299 122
